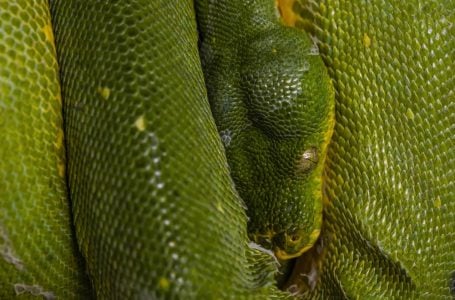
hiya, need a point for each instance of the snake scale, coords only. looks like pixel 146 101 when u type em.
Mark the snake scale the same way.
pixel 146 196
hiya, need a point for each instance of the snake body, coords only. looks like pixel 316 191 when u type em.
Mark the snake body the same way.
pixel 137 172
pixel 389 175
pixel 38 253
pixel 155 211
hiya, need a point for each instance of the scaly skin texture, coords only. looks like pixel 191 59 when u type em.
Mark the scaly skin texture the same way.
pixel 273 103
pixel 38 254
pixel 155 211
pixel 389 227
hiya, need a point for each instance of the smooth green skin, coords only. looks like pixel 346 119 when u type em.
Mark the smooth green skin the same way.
pixel 38 253
pixel 272 103
pixel 155 210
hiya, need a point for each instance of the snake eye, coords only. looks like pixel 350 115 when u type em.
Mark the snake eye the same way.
pixel 308 160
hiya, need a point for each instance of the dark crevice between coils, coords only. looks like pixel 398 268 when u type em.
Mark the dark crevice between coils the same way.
pixel 81 262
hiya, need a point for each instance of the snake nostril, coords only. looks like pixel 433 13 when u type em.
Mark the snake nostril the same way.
pixel 294 238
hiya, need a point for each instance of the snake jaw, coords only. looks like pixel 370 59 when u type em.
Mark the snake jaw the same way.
pixel 295 243
pixel 286 245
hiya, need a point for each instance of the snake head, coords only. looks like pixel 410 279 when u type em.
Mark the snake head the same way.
pixel 277 159
pixel 273 108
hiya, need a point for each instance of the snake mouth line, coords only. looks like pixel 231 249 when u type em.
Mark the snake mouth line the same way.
pixel 283 255
pixel 289 242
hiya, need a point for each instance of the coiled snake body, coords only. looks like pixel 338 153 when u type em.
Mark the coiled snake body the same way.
pixel 154 211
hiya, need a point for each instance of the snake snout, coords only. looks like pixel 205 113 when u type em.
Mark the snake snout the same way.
pixel 293 243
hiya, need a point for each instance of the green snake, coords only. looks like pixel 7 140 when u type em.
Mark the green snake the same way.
pixel 194 162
